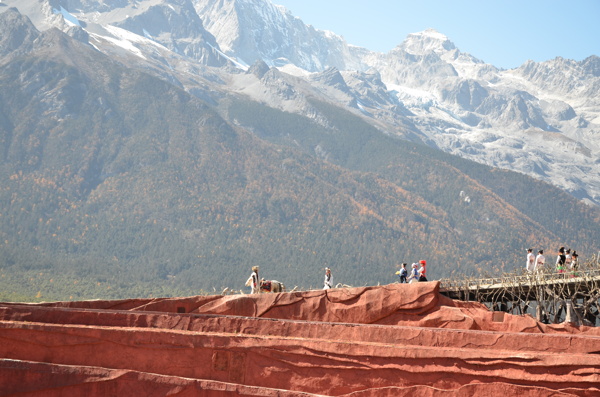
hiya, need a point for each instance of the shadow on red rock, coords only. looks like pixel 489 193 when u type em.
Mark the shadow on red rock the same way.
pixel 393 340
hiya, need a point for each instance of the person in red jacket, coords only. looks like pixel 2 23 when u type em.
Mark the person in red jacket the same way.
pixel 423 270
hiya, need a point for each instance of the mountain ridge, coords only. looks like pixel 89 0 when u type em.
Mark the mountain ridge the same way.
pixel 454 128
pixel 124 176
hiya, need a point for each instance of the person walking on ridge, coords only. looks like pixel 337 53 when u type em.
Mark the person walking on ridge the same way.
pixel 402 273
pixel 253 281
pixel 423 270
pixel 328 282
pixel 414 274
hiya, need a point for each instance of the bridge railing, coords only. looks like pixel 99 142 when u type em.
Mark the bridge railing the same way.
pixel 514 278
pixel 551 294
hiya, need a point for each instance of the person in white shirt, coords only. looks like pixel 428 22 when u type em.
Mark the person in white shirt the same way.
pixel 328 282
pixel 530 265
pixel 540 259
pixel 253 281
pixel 414 274
pixel 574 264
pixel 568 259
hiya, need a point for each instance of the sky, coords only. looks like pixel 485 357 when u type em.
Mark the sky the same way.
pixel 504 33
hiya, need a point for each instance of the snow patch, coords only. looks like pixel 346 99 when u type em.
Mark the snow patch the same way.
pixel 125 39
pixel 67 16
pixel 293 70
pixel 361 107
pixel 237 63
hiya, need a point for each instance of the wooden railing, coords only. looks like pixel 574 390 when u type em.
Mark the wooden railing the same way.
pixel 548 295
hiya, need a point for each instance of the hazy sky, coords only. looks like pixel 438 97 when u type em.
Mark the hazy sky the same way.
pixel 504 33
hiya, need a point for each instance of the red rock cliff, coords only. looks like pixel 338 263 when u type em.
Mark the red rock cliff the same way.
pixel 394 340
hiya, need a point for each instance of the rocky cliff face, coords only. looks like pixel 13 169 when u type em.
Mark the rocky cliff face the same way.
pixel 541 119
pixel 376 341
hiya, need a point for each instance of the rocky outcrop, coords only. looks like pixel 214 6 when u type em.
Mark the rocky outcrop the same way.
pixel 394 340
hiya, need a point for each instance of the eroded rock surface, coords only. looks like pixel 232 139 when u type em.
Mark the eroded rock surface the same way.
pixel 393 340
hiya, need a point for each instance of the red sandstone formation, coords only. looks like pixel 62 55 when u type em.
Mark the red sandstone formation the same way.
pixel 394 340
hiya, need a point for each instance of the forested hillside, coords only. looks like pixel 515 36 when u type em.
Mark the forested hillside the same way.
pixel 115 183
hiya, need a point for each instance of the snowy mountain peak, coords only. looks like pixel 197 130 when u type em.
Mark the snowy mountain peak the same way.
pixel 250 30
pixel 427 41
pixel 542 119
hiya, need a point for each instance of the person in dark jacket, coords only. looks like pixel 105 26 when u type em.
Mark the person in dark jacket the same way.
pixel 403 274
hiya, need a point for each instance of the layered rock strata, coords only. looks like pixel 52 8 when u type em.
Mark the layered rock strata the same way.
pixel 392 340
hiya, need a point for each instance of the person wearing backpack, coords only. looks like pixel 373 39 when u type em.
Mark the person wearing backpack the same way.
pixel 403 274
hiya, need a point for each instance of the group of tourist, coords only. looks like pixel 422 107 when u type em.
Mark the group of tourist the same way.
pixel 416 273
pixel 254 282
pixel 565 260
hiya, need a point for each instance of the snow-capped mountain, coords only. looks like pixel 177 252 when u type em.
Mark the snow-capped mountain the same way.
pixel 542 119
pixel 173 24
pixel 539 119
pixel 252 30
